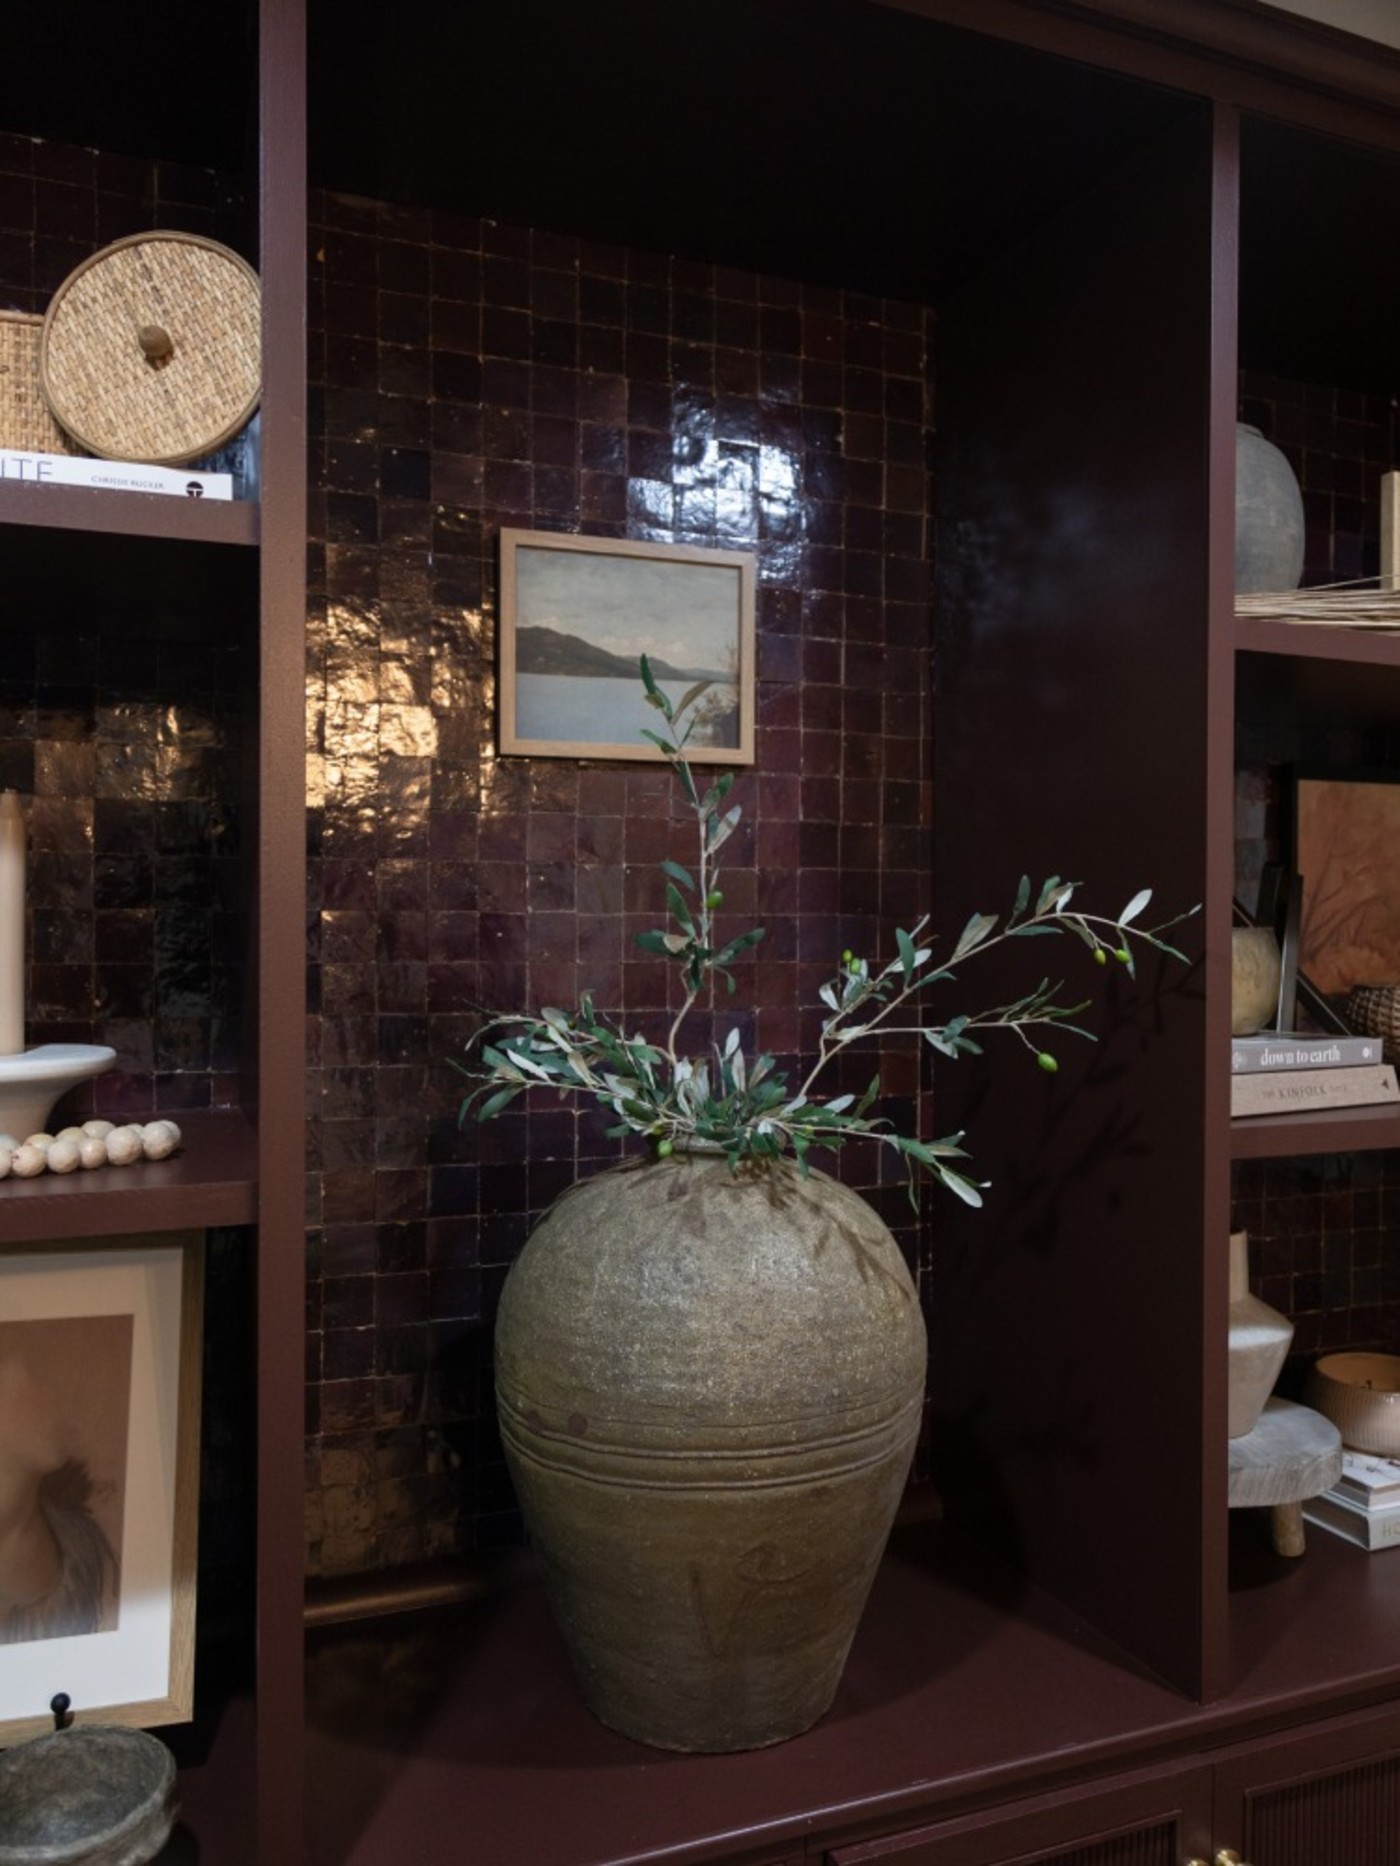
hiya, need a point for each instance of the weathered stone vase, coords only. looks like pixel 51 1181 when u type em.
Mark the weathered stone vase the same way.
pixel 1270 528
pixel 709 1388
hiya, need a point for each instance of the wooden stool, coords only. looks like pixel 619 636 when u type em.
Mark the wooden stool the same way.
pixel 1292 1454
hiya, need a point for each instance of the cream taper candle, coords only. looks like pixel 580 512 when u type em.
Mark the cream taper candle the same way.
pixel 11 924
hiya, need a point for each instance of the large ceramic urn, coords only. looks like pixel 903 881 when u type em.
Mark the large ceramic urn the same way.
pixel 709 1388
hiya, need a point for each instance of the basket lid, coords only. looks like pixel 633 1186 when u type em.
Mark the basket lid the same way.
pixel 150 348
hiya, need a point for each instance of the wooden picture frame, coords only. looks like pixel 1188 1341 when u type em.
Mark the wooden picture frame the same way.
pixel 100 1353
pixel 1345 830
pixel 576 616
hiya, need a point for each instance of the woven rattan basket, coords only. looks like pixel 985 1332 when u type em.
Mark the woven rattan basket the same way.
pixel 26 421
pixel 1374 1011
pixel 150 349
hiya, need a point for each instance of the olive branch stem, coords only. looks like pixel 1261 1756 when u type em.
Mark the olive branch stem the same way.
pixel 746 1108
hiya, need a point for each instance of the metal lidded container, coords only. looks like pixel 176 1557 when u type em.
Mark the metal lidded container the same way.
pixel 97 1795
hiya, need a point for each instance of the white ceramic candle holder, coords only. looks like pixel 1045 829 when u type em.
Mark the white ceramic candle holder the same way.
pixel 33 1081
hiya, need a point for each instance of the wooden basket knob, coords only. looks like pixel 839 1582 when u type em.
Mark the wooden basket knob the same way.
pixel 156 344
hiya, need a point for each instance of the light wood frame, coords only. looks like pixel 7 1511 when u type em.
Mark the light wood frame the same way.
pixel 622 599
pixel 139 1670
pixel 1351 910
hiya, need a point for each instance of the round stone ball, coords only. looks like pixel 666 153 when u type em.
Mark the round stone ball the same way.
pixel 64 1156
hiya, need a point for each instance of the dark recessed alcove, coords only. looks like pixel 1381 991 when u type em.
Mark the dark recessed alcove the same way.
pixel 833 141
pixel 1319 258
pixel 155 92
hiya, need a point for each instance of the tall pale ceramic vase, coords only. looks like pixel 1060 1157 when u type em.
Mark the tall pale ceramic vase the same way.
pixel 709 1388
pixel 1259 1342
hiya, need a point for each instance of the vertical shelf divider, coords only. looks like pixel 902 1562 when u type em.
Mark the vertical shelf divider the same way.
pixel 280 963
pixel 1070 739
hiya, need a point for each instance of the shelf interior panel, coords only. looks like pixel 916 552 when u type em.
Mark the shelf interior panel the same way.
pixel 211 1180
pixel 1319 258
pixel 171 81
pixel 1296 683
pixel 962 1681
pixel 987 139
pixel 1343 1130
pixel 216 1758
pixel 137 514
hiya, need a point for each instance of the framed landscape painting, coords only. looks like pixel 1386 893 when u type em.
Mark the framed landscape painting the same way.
pixel 99 1478
pixel 578 614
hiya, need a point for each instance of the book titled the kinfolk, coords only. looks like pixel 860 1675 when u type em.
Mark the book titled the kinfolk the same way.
pixel 1286 1049
pixel 1308 1091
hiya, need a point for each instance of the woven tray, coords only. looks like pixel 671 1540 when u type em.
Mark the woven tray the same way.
pixel 1374 1011
pixel 150 349
pixel 26 423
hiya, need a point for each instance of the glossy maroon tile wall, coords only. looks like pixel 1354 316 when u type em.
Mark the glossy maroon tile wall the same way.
pixel 1318 1226
pixel 468 376
pixel 59 204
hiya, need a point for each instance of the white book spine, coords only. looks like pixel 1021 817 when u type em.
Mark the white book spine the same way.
pixel 1371 1481
pixel 1258 1055
pixel 112 475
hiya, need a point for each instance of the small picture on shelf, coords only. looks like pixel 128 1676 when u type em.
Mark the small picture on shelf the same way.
pixel 1345 836
pixel 99 1479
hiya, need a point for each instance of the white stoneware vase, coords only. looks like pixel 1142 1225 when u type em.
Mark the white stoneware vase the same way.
pixel 1259 1342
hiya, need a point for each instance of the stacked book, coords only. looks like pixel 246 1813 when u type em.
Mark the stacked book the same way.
pixel 113 475
pixel 1364 1503
pixel 1288 1072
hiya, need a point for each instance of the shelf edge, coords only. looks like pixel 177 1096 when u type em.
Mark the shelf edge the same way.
pixel 134 514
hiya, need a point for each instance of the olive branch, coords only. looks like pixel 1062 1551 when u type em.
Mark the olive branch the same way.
pixel 745 1108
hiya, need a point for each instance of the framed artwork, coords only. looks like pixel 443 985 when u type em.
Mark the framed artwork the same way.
pixel 577 615
pixel 99 1468
pixel 1345 837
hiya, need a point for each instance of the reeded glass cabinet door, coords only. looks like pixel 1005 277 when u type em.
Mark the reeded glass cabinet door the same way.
pixel 1158 1818
pixel 1333 1794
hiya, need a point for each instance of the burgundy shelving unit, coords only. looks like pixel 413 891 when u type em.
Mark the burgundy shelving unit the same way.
pixel 1087 1653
